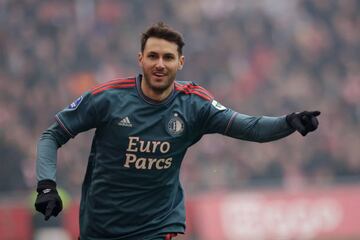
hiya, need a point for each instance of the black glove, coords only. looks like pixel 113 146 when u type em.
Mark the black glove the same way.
pixel 48 201
pixel 303 122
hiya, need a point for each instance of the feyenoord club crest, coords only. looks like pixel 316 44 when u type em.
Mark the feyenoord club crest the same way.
pixel 176 125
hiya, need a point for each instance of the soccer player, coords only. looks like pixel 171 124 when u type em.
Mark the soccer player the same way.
pixel 144 125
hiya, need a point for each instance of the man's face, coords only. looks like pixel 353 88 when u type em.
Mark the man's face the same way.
pixel 159 61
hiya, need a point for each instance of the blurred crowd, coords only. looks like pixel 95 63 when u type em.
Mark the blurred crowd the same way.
pixel 268 57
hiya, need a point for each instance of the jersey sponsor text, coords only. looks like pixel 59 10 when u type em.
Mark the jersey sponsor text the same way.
pixel 136 145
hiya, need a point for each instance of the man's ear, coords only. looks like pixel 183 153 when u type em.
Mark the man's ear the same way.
pixel 140 58
pixel 181 62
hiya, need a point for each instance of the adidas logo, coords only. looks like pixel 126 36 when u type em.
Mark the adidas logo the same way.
pixel 125 122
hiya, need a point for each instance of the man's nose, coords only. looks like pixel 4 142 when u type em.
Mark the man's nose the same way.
pixel 160 63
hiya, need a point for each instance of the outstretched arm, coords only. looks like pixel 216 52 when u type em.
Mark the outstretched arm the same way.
pixel 266 129
pixel 258 129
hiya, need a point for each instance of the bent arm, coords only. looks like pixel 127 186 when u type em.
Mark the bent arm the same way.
pixel 258 129
pixel 52 139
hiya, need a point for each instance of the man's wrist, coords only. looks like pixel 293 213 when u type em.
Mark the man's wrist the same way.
pixel 45 184
pixel 289 118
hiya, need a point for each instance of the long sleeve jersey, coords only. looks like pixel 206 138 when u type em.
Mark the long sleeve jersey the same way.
pixel 131 188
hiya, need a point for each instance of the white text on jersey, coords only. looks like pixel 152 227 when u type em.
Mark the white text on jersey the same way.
pixel 136 145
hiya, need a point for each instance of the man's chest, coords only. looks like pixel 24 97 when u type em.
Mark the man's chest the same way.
pixel 146 138
pixel 160 123
pixel 147 129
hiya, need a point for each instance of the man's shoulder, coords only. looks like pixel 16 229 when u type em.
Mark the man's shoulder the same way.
pixel 190 88
pixel 114 84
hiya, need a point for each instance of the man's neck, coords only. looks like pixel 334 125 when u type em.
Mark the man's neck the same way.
pixel 154 95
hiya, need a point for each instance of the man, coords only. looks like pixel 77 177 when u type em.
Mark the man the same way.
pixel 144 126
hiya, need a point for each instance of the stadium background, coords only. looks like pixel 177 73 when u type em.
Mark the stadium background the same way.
pixel 266 57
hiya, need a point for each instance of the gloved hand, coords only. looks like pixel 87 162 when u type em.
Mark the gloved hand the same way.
pixel 303 122
pixel 48 201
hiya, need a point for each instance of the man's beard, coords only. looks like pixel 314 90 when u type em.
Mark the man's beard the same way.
pixel 158 89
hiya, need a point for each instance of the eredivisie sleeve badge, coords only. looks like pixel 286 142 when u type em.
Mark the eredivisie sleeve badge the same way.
pixel 75 104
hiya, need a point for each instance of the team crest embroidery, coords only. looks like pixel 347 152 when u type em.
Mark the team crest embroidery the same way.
pixel 176 125
pixel 217 105
pixel 75 104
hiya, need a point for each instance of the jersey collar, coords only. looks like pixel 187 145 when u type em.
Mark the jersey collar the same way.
pixel 149 100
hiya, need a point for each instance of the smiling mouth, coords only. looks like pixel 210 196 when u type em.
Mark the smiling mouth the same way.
pixel 157 74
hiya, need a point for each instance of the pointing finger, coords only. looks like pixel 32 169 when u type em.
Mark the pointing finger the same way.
pixel 315 113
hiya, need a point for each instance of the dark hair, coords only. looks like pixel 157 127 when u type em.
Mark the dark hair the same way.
pixel 163 31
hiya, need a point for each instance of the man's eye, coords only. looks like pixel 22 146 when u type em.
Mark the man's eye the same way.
pixel 169 57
